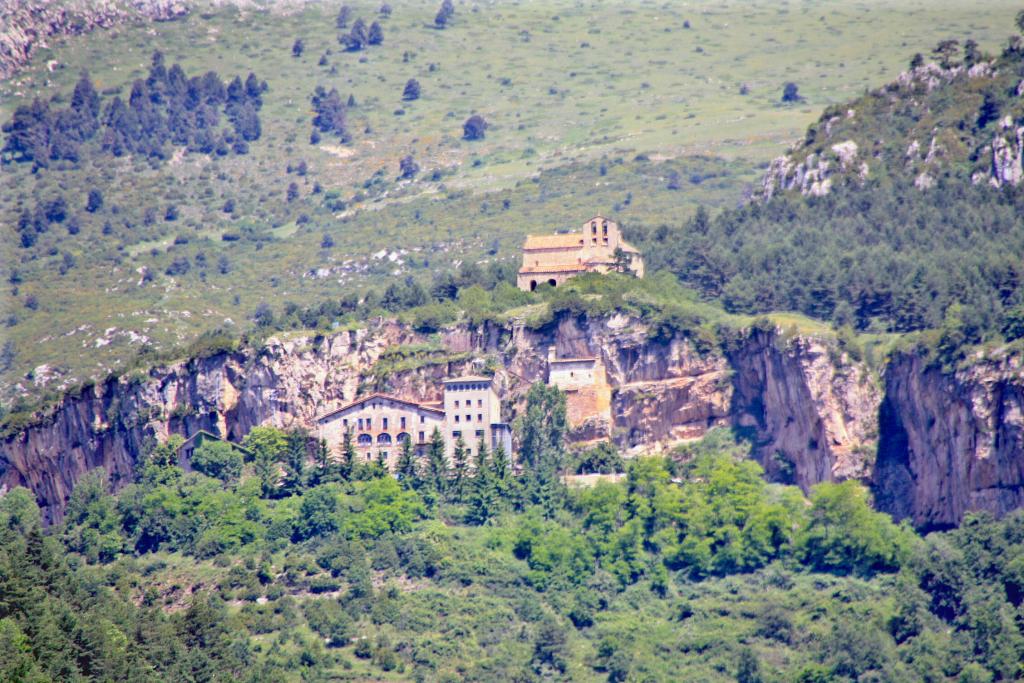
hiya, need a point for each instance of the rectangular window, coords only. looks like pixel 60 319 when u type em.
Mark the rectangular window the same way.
pixel 456 419
pixel 345 422
pixel 456 403
pixel 479 433
pixel 385 423
pixel 469 418
pixel 423 418
pixel 360 423
pixel 422 439
pixel 456 434
pixel 402 420
pixel 480 417
pixel 479 403
pixel 369 423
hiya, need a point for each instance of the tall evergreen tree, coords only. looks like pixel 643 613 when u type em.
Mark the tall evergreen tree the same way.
pixel 295 461
pixel 322 459
pixel 436 470
pixel 348 456
pixel 405 470
pixel 542 434
pixel 484 496
pixel 375 36
pixel 460 469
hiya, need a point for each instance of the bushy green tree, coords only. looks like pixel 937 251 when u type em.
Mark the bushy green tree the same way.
pixel 843 534
pixel 92 523
pixel 218 459
pixel 318 513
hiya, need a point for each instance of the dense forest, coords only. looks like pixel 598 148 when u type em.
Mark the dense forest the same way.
pixel 924 233
pixel 165 109
pixel 884 257
pixel 280 562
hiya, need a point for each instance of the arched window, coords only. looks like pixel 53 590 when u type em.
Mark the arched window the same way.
pixel 403 437
pixel 533 285
pixel 365 440
pixel 383 437
pixel 552 282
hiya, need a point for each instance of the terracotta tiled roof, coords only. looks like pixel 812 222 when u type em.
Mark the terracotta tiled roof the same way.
pixel 563 241
pixel 567 268
pixel 380 396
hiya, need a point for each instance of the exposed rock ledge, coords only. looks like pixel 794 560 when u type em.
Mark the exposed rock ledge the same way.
pixel 28 24
pixel 946 445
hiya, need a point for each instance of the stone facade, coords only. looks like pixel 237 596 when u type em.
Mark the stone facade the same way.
pixel 553 259
pixel 588 395
pixel 380 423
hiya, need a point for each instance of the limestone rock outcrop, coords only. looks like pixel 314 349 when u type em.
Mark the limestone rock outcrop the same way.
pixel 932 445
pixel 951 442
pixel 814 411
pixel 29 24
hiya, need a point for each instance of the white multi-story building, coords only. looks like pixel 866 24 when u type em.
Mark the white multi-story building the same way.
pixel 472 410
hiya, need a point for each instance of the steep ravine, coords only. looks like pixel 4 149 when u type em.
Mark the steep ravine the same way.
pixel 812 414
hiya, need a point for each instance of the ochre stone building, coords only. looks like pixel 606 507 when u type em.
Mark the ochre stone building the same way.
pixel 588 395
pixel 597 248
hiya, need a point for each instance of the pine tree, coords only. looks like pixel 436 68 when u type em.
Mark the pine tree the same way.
pixel 376 34
pixel 460 466
pixel 436 474
pixel 543 428
pixel 484 496
pixel 500 464
pixel 268 472
pixel 295 461
pixel 322 458
pixel 344 14
pixel 406 467
pixel 348 457
pixel 412 90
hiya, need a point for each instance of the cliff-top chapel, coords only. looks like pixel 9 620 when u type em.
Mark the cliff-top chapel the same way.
pixel 597 248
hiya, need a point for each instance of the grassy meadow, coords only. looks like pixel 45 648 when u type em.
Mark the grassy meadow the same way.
pixel 630 109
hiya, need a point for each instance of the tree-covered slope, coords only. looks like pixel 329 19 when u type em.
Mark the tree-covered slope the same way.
pixel 899 211
pixel 690 568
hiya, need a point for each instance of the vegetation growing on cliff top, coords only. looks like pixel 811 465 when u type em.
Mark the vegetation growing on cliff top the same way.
pixel 693 567
pixel 162 252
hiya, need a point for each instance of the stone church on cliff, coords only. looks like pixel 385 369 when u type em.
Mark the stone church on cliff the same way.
pixel 597 248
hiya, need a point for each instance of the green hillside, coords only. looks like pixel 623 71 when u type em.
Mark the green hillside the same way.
pixel 572 130
pixel 345 574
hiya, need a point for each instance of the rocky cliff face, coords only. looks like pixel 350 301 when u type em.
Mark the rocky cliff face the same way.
pixel 946 444
pixel 951 443
pixel 662 393
pixel 28 24
pixel 815 413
